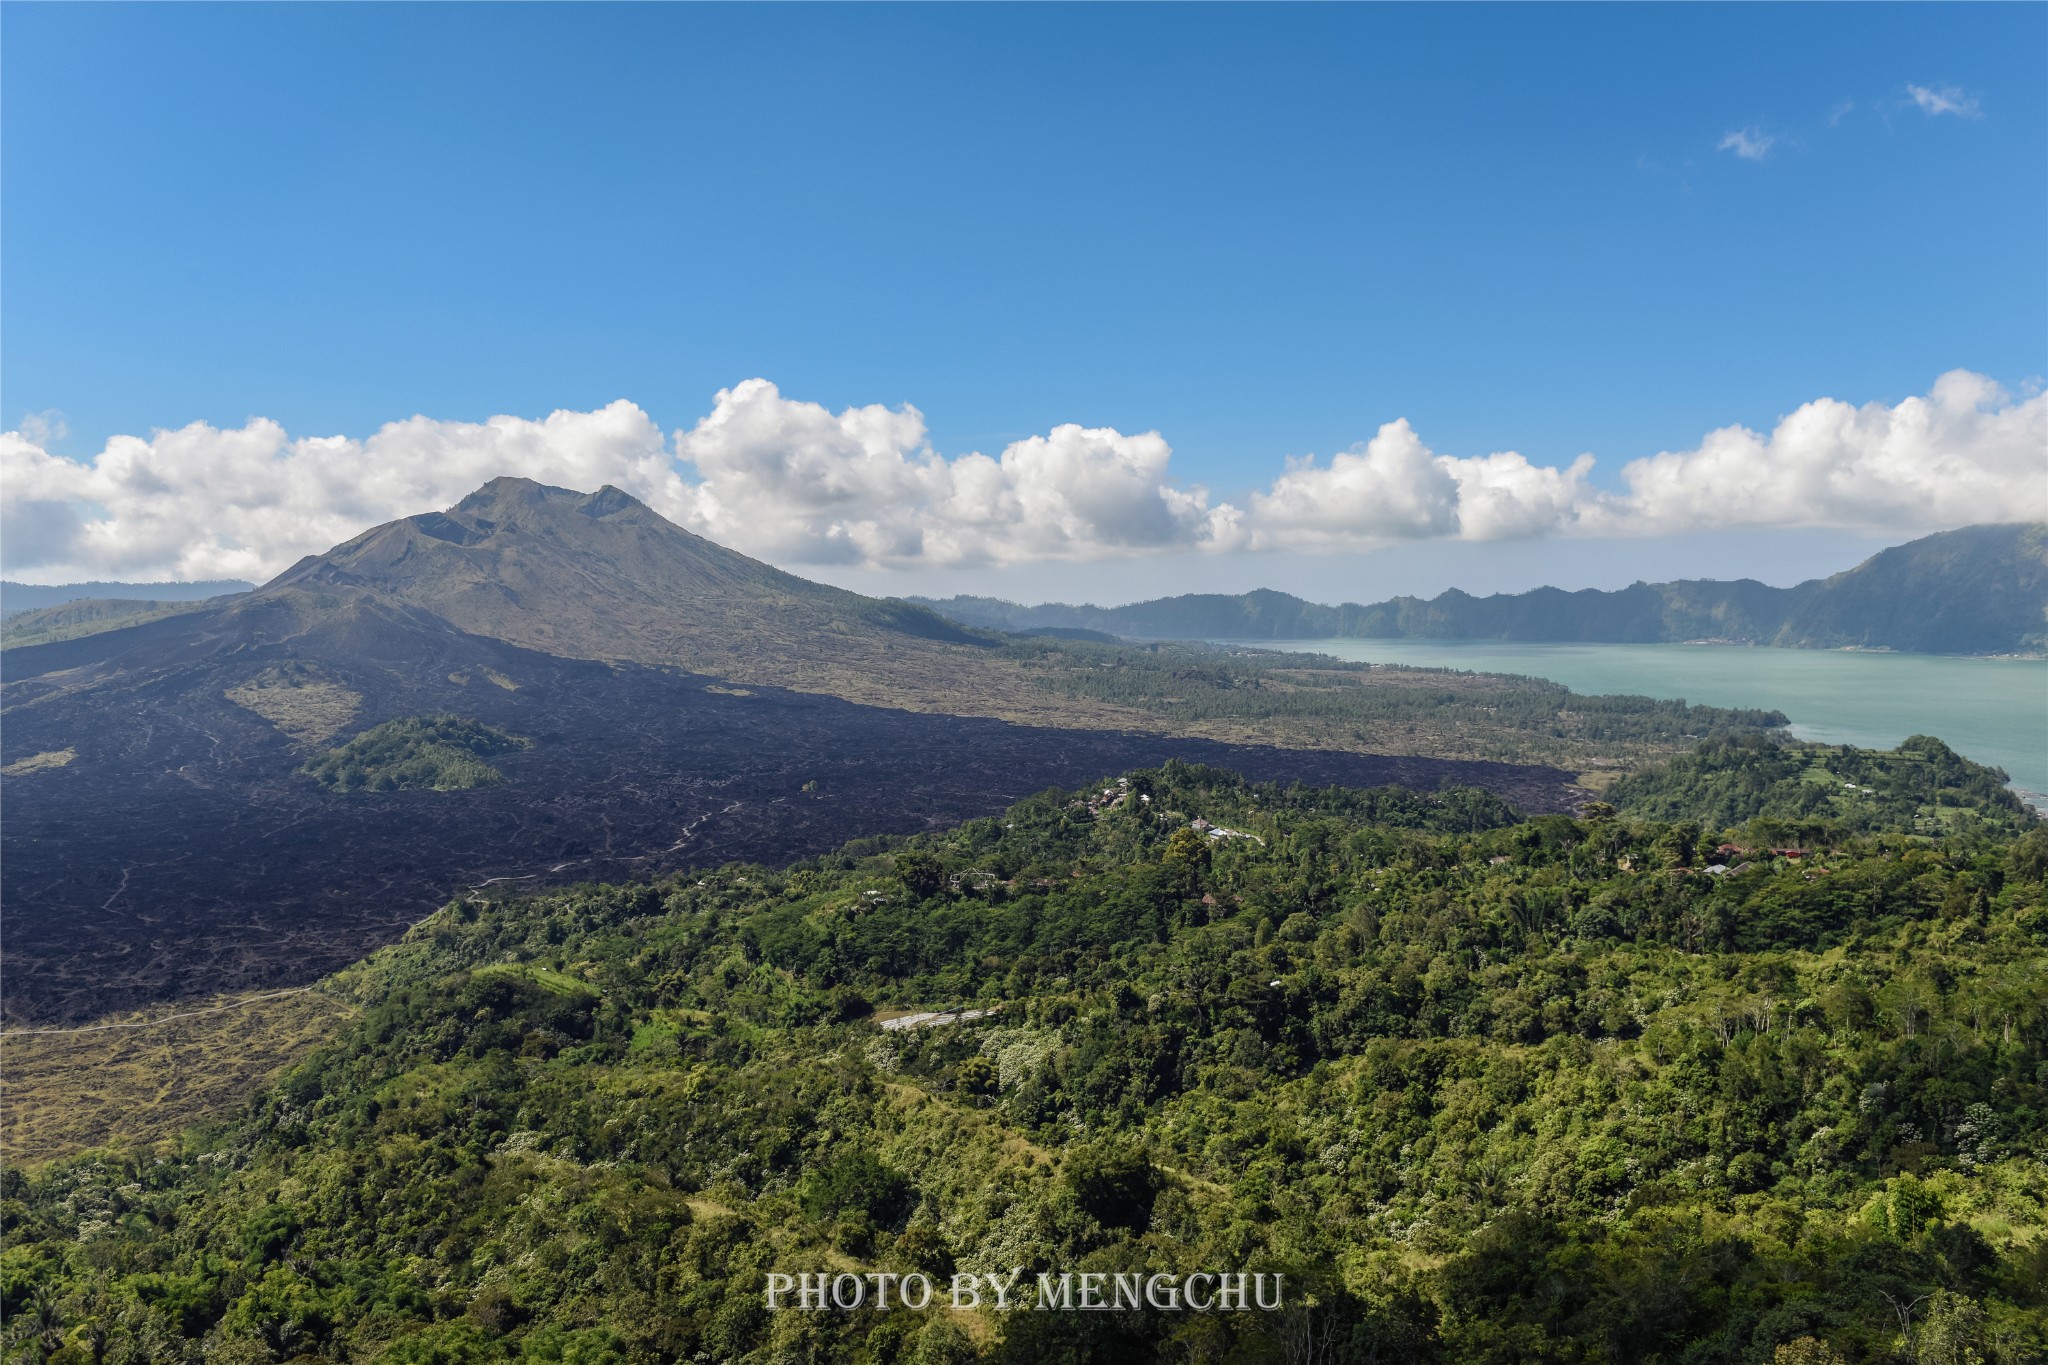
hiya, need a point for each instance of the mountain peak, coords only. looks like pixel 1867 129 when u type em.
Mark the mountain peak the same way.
pixel 511 498
pixel 610 501
pixel 604 576
pixel 512 490
pixel 504 501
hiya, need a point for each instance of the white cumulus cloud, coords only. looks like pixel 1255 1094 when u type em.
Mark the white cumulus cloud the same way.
pixel 206 502
pixel 792 481
pixel 1966 452
pixel 1394 487
pixel 1390 488
pixel 798 484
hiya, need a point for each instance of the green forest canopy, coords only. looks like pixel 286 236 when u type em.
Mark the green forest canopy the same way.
pixel 1484 1089
pixel 1922 786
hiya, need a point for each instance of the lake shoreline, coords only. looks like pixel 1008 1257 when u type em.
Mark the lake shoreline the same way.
pixel 1990 708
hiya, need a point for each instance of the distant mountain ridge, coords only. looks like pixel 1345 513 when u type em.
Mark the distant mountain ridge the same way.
pixel 17 597
pixel 1977 590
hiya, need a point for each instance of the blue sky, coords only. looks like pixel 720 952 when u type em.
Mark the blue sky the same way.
pixel 1261 231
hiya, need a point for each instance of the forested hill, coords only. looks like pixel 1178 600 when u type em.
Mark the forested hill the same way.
pixel 1923 786
pixel 1483 1089
pixel 1979 590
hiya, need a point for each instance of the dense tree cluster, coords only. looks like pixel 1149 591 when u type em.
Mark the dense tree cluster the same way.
pixel 416 753
pixel 1923 785
pixel 1483 1089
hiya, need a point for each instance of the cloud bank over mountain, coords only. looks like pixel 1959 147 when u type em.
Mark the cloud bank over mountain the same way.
pixel 797 484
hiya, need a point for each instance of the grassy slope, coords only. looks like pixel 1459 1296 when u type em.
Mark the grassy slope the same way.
pixel 142 1077
pixel 73 620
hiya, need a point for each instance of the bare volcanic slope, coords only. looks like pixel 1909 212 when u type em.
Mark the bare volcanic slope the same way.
pixel 160 839
pixel 603 576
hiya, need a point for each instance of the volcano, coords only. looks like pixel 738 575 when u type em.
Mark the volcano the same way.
pixel 681 704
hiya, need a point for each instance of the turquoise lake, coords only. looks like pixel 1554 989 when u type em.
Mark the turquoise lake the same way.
pixel 1992 710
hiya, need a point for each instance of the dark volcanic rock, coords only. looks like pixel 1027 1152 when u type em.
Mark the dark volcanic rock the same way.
pixel 180 852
